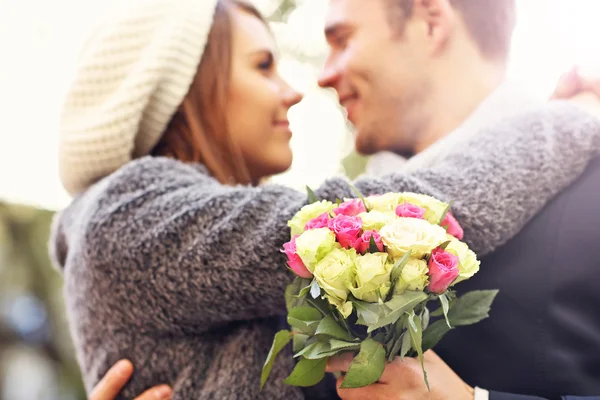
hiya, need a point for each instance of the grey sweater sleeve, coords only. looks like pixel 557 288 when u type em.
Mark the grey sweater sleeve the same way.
pixel 167 236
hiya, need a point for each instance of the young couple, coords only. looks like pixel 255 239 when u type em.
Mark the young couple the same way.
pixel 170 247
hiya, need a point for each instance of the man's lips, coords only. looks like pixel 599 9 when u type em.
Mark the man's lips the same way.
pixel 349 103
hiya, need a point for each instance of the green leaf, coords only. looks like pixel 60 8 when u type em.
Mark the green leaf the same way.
pixel 398 267
pixel 320 304
pixel 307 372
pixel 305 314
pixel 312 197
pixel 315 290
pixel 313 350
pixel 367 367
pixel 299 342
pixel 282 338
pixel 379 337
pixel 397 271
pixel 293 293
pixel 445 307
pixel 471 307
pixel 330 327
pixel 406 345
pixel 368 313
pixel 444 214
pixel 305 290
pixel 306 319
pixel 338 346
pixel 395 348
pixel 444 245
pixel 434 333
pixel 373 246
pixel 425 318
pixel 398 305
pixel 416 337
pixel 360 196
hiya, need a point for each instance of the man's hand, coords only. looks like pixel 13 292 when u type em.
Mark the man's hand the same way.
pixel 581 88
pixel 577 81
pixel 403 380
pixel 116 377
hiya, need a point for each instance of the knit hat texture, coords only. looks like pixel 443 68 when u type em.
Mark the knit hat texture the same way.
pixel 134 73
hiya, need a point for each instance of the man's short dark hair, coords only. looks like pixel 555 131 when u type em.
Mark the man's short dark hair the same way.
pixel 490 22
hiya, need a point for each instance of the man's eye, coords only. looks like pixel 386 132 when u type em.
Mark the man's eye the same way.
pixel 341 41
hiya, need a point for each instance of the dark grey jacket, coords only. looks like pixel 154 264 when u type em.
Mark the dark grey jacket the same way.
pixel 543 337
pixel 165 266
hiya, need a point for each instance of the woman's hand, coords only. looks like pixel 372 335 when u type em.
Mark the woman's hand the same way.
pixel 116 377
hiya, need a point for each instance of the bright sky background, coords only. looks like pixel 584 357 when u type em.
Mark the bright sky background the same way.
pixel 39 41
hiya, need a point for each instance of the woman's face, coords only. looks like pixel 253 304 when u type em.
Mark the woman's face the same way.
pixel 259 99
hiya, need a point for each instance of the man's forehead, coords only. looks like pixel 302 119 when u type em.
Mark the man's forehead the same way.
pixel 348 12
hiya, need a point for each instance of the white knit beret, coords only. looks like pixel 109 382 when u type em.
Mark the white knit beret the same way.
pixel 133 75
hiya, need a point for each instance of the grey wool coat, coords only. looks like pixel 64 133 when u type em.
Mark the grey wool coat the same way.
pixel 183 275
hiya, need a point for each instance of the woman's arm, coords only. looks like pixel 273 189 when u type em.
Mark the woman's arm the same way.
pixel 199 254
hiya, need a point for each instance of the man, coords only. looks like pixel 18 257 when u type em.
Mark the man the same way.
pixel 409 73
pixel 387 81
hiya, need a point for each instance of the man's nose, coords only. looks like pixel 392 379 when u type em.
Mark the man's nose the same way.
pixel 329 75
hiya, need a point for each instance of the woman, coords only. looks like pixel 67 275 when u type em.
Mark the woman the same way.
pixel 170 249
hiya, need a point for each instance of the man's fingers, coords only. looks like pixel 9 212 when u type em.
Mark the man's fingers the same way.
pixel 590 80
pixel 569 84
pixel 374 391
pixel 162 392
pixel 339 363
pixel 114 380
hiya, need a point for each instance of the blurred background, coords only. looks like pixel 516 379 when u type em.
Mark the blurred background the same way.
pixel 39 43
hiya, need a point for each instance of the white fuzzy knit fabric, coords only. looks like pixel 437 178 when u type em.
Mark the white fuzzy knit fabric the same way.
pixel 133 75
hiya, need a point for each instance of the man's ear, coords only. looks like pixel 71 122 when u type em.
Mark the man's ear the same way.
pixel 440 18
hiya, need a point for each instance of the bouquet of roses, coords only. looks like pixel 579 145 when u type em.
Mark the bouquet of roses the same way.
pixel 366 270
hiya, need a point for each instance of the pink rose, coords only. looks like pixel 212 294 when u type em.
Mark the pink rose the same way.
pixel 350 208
pixel 407 210
pixel 346 229
pixel 452 226
pixel 294 261
pixel 319 222
pixel 443 270
pixel 362 243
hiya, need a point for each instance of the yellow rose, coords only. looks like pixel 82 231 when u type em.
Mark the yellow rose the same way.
pixel 335 274
pixel 375 220
pixel 313 245
pixel 468 264
pixel 411 234
pixel 372 277
pixel 413 277
pixel 308 212
pixel 383 203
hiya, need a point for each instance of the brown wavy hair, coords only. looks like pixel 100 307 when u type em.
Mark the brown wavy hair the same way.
pixel 198 131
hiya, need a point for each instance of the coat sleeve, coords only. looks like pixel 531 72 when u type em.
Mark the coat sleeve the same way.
pixel 512 396
pixel 166 238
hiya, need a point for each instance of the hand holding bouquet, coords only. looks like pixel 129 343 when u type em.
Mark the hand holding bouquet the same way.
pixel 366 270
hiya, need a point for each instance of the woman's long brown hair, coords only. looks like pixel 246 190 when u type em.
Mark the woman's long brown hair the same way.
pixel 198 132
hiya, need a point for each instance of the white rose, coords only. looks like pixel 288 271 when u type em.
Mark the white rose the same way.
pixel 411 234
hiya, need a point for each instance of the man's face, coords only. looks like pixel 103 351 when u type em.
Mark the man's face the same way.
pixel 378 72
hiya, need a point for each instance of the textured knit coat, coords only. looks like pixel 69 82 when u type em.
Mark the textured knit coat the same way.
pixel 183 275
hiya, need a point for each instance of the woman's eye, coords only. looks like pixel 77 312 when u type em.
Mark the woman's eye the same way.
pixel 266 65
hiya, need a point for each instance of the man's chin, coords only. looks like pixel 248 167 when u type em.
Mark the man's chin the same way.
pixel 365 145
